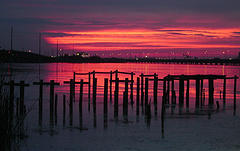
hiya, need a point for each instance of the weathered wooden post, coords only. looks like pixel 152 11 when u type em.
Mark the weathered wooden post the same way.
pixel 116 98
pixel 74 76
pixel 173 93
pixel 125 100
pixel 164 91
pixel 181 91
pixel 197 92
pixel 89 90
pixel 235 89
pixel 80 104
pixel 146 93
pixel 211 91
pixel 155 91
pixel 168 89
pixel 201 92
pixel 56 106
pixel 11 97
pixel 94 102
pixel 142 93
pixel 224 90
pixel 138 91
pixel 105 106
pixel 131 86
pixel 111 85
pixel 187 94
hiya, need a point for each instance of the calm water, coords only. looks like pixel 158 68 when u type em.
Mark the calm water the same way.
pixel 181 130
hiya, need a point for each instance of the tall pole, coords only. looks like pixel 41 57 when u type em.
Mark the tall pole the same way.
pixel 57 48
pixel 39 46
pixel 11 38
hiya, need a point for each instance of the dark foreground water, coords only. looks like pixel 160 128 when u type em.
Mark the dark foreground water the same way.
pixel 181 129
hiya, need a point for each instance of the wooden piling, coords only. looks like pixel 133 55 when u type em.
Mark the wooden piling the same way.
pixel 181 91
pixel 138 91
pixel 51 99
pixel 131 86
pixel 173 93
pixel 168 90
pixel 89 90
pixel 224 91
pixel 146 93
pixel 111 86
pixel 164 91
pixel 116 98
pixel 105 108
pixel 211 92
pixel 80 104
pixel 125 99
pixel 94 102
pixel 201 92
pixel 197 92
pixel 142 85
pixel 155 92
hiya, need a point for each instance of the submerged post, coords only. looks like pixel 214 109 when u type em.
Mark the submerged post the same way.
pixel 94 102
pixel 197 92
pixel 131 86
pixel 211 91
pixel 173 93
pixel 105 106
pixel 125 100
pixel 116 98
pixel 80 104
pixel 181 91
pixel 138 91
pixel 224 91
pixel 146 93
pixel 142 93
pixel 155 91
pixel 111 85
pixel 89 90
pixel 56 106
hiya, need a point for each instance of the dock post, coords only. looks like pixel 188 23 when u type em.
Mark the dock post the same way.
pixel 211 92
pixel 142 93
pixel 105 106
pixel 116 98
pixel 173 93
pixel 125 100
pixel 168 90
pixel 197 92
pixel 138 91
pixel 94 102
pixel 89 90
pixel 155 91
pixel 111 85
pixel 224 91
pixel 146 93
pixel 201 92
pixel 80 104
pixel 131 86
pixel 181 91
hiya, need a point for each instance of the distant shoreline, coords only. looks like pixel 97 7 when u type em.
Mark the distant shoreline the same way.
pixel 26 57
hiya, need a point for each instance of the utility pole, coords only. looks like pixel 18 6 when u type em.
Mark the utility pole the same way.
pixel 11 39
pixel 39 48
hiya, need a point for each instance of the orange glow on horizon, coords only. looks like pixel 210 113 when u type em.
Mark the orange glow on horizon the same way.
pixel 114 39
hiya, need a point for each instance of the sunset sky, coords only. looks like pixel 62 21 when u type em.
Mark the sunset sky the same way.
pixel 204 28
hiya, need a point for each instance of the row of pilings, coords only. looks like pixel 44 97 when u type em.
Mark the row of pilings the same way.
pixel 142 94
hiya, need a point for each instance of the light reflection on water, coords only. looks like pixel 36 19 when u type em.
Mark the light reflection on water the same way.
pixel 64 72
